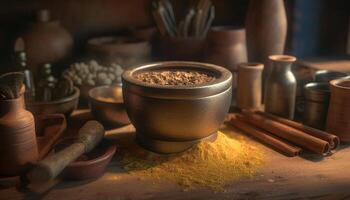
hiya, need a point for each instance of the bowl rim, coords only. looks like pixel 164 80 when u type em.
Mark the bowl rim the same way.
pixel 225 74
pixel 336 83
pixel 73 96
pixel 91 98
pixel 109 152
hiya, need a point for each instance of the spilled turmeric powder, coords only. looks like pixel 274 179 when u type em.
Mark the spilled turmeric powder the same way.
pixel 207 164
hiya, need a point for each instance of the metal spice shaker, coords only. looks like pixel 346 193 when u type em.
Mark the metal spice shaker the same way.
pixel 281 85
pixel 317 97
pixel 249 88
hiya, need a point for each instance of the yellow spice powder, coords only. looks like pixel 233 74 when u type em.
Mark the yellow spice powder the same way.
pixel 207 164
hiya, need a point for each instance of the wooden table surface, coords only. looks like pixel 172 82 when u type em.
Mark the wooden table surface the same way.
pixel 306 177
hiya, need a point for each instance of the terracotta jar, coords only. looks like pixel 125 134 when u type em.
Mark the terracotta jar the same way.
pixel 185 49
pixel 18 145
pixel 249 88
pixel 227 48
pixel 46 42
pixel 266 27
pixel 338 118
pixel 281 86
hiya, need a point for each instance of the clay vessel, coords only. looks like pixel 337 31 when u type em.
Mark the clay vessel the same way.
pixel 185 49
pixel 249 88
pixel 227 48
pixel 18 146
pixel 281 85
pixel 338 119
pixel 46 41
pixel 266 27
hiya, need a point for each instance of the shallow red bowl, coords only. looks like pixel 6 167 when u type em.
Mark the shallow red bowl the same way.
pixel 92 164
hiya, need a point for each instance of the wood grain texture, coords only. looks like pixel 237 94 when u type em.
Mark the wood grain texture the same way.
pixel 307 177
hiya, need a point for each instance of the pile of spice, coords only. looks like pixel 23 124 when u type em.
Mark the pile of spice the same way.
pixel 207 164
pixel 182 78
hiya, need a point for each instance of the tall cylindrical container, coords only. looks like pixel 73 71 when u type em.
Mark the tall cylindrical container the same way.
pixel 316 104
pixel 227 47
pixel 281 85
pixel 18 146
pixel 249 85
pixel 266 27
pixel 338 119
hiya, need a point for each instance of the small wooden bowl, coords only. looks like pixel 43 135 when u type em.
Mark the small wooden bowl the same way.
pixel 92 164
pixel 64 106
pixel 107 105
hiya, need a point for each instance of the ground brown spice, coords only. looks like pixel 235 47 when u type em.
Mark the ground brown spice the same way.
pixel 208 164
pixel 183 78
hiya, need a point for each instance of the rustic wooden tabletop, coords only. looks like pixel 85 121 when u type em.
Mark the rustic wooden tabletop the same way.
pixel 281 177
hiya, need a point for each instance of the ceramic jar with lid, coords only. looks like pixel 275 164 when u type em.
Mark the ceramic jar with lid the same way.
pixel 18 145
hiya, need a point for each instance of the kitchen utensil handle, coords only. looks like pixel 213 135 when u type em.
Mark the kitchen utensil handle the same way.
pixel 88 137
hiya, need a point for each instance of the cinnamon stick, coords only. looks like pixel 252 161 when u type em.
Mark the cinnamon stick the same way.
pixel 288 133
pixel 266 138
pixel 332 139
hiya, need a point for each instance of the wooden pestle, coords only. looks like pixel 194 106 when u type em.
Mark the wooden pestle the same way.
pixel 89 136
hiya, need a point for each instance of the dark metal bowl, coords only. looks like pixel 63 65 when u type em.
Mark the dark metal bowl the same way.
pixel 174 115
pixel 326 75
pixel 109 112
pixel 64 106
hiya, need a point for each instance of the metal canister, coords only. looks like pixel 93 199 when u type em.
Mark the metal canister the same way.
pixel 326 75
pixel 317 97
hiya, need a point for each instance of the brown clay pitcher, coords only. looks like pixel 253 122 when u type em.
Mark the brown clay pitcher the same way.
pixel 18 145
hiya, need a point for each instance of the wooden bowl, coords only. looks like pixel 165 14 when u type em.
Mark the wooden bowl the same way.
pixel 62 106
pixel 107 105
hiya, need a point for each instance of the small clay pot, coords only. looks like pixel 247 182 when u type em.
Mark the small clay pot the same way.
pixel 227 47
pixel 183 49
pixel 249 90
pixel 18 145
pixel 338 119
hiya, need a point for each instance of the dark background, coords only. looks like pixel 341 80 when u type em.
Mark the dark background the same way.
pixel 316 27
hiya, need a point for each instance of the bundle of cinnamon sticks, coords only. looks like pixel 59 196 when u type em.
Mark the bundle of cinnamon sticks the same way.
pixel 286 136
